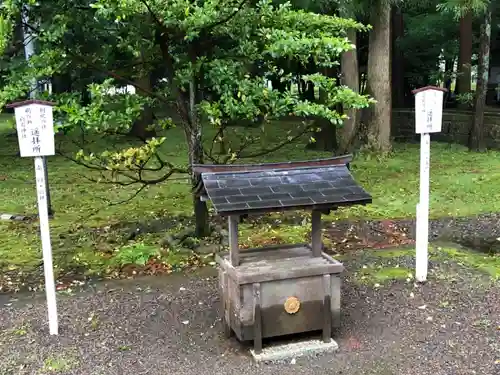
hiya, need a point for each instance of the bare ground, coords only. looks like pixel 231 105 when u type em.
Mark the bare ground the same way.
pixel 479 232
pixel 170 325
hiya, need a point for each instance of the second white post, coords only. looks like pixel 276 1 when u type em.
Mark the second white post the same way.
pixel 423 210
pixel 428 119
pixel 35 131
pixel 43 215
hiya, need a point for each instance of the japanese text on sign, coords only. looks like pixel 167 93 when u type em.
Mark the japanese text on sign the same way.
pixel 428 111
pixel 35 130
pixel 40 182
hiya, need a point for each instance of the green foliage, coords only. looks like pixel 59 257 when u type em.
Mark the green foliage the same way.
pixel 460 8
pixel 426 46
pixel 214 58
pixel 109 114
pixel 5 31
pixel 137 253
pixel 466 98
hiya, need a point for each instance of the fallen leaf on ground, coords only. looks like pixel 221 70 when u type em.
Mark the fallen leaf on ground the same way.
pixel 353 343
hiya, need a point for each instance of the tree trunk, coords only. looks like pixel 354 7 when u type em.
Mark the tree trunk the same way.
pixel 278 85
pixel 448 69
pixel 141 126
pixel 325 135
pixel 476 138
pixel 325 139
pixel 222 142
pixel 202 228
pixel 195 151
pixel 379 78
pixel 346 134
pixel 463 85
pixel 307 91
pixel 398 97
pixel 84 78
pixel 61 83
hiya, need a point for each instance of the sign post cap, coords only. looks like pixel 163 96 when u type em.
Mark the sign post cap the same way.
pixel 427 88
pixel 30 101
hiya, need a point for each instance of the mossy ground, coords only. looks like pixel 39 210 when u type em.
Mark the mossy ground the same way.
pixel 89 233
pixel 379 267
pixel 486 264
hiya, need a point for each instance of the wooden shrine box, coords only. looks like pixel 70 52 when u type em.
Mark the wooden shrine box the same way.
pixel 279 290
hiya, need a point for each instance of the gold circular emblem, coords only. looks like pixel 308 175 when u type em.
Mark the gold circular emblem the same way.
pixel 292 305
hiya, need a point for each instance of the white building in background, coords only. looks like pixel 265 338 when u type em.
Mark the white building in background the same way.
pixel 46 86
pixel 129 89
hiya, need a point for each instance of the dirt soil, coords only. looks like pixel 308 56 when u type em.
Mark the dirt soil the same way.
pixel 481 232
pixel 170 325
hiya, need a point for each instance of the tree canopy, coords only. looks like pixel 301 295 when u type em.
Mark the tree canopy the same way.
pixel 225 67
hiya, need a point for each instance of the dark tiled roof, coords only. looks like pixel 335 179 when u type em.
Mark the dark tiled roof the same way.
pixel 319 187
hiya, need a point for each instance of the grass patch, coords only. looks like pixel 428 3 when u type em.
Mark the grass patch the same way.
pixel 489 265
pixel 84 227
pixel 382 266
pixel 392 254
pixel 456 176
pixel 382 275
pixel 266 234
pixel 20 331
pixel 59 364
pixel 379 267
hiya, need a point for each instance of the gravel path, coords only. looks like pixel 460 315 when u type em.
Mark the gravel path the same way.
pixel 170 325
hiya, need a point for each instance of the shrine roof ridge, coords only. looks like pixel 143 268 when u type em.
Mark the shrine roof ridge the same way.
pixel 263 172
pixel 217 168
pixel 292 185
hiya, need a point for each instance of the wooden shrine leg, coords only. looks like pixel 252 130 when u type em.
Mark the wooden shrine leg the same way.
pixel 234 251
pixel 257 319
pixel 316 242
pixel 225 304
pixel 335 301
pixel 327 309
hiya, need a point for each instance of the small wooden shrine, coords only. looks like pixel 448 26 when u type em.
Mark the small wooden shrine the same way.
pixel 280 290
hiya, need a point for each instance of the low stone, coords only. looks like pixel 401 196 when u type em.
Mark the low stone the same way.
pixel 288 351
pixel 191 242
pixel 169 241
pixel 218 228
pixel 208 248
pixel 184 250
pixel 224 237
pixel 182 235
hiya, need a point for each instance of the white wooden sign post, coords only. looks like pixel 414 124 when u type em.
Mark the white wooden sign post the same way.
pixel 428 119
pixel 35 131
